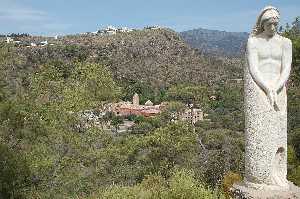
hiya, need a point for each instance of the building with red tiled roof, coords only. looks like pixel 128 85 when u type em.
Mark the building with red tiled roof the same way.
pixel 150 110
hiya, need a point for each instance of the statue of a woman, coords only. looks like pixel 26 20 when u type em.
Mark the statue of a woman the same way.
pixel 269 57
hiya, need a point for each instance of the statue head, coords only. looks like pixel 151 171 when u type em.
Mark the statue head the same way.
pixel 267 22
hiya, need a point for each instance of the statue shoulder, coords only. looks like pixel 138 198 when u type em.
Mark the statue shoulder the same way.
pixel 285 41
pixel 251 41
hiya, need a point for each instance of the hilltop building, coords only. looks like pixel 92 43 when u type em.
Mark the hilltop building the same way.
pixel 153 27
pixel 9 40
pixel 111 30
pixel 43 43
pixel 125 29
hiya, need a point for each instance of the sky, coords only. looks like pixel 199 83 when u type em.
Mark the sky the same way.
pixel 60 17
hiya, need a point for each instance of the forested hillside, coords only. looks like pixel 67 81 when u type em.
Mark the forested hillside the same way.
pixel 48 151
pixel 158 57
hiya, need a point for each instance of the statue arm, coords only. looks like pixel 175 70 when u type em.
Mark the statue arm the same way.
pixel 252 57
pixel 286 64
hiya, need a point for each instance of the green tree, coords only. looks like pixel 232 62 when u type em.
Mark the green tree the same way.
pixel 293 33
pixel 14 174
pixel 41 124
pixel 181 184
pixel 295 141
pixel 224 152
pixel 116 121
pixel 143 89
pixel 189 94
pixel 171 112
pixel 227 111
pixel 93 82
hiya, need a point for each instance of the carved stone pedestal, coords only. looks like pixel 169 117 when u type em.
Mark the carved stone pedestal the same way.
pixel 252 191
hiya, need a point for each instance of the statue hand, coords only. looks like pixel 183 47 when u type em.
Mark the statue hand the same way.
pixel 272 96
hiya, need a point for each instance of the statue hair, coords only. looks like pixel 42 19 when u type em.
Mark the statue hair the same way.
pixel 258 26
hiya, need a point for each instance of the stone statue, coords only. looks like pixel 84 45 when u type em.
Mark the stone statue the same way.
pixel 269 58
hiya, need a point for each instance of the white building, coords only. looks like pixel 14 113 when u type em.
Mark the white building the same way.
pixel 125 29
pixel 43 43
pixel 153 27
pixel 9 40
pixel 111 30
pixel 149 103
pixel 195 116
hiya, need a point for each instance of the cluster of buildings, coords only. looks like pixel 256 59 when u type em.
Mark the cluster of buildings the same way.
pixel 123 109
pixel 149 110
pixel 135 108
pixel 153 27
pixel 27 43
pixel 111 30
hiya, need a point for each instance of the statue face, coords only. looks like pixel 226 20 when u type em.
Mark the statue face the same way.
pixel 270 27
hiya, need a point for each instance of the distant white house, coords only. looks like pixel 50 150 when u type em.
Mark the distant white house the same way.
pixel 43 43
pixel 111 30
pixel 194 116
pixel 148 103
pixel 153 27
pixel 9 40
pixel 125 29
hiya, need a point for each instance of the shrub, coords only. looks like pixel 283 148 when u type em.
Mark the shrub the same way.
pixel 14 173
pixel 229 179
pixel 180 185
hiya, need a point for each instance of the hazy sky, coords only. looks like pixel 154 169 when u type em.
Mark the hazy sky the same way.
pixel 51 17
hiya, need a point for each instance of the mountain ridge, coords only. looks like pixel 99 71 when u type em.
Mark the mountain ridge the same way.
pixel 216 42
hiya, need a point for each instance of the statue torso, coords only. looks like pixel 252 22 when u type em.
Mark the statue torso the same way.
pixel 269 52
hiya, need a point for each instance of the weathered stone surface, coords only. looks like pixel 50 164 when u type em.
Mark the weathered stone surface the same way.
pixel 269 63
pixel 269 57
pixel 242 191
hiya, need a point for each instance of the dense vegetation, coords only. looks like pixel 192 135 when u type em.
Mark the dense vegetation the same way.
pixel 293 33
pixel 46 151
